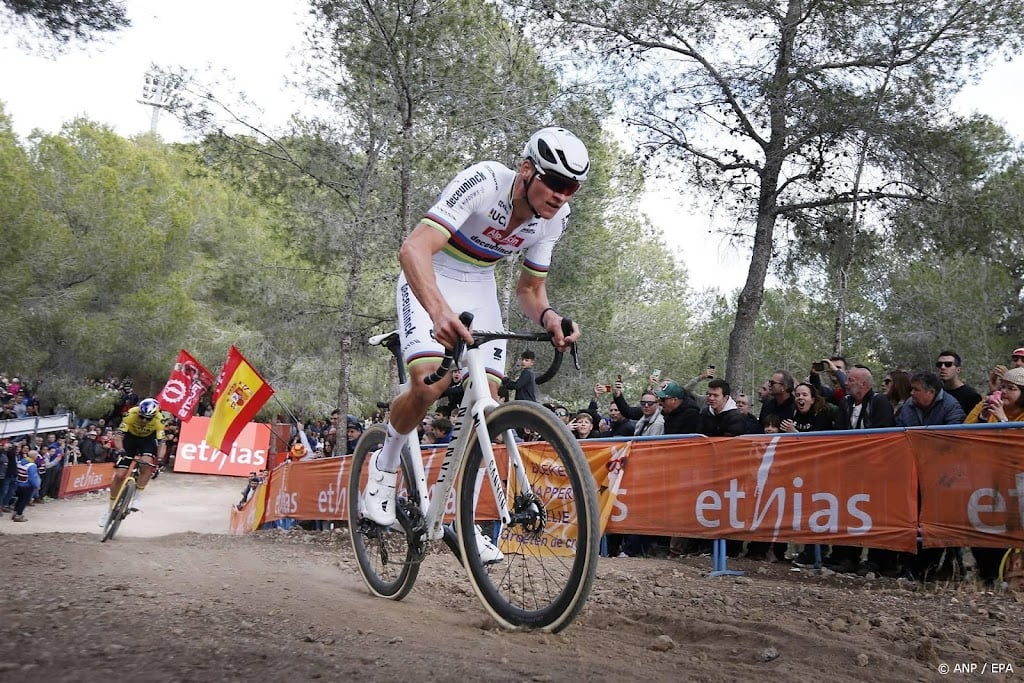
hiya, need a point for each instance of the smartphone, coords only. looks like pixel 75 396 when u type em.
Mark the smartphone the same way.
pixel 818 366
pixel 996 396
pixel 608 387
pixel 656 374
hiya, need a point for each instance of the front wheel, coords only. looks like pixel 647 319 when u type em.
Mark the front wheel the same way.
pixel 388 558
pixel 551 547
pixel 119 510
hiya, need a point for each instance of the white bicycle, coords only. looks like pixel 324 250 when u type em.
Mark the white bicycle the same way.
pixel 547 509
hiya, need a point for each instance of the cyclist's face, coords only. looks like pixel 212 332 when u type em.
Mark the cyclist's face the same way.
pixel 544 200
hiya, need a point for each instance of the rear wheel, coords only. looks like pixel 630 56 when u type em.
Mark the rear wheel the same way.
pixel 550 549
pixel 388 558
pixel 120 509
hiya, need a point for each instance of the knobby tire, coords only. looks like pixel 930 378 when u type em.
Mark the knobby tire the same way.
pixel 531 587
pixel 120 509
pixel 394 578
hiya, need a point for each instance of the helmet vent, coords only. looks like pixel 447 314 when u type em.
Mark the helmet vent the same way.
pixel 545 151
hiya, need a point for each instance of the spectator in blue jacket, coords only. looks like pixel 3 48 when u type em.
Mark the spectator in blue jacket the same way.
pixel 28 483
pixel 929 404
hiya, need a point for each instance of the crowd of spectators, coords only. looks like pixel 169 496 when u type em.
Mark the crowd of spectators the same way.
pixel 26 457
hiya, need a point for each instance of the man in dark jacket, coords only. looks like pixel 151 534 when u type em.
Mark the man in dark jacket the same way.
pixel 720 416
pixel 621 425
pixel 862 408
pixel 780 399
pixel 679 408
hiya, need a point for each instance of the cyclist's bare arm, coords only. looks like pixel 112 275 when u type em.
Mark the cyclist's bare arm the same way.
pixel 532 294
pixel 416 256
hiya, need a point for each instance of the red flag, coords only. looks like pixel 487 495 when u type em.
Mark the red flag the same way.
pixel 188 383
pixel 241 392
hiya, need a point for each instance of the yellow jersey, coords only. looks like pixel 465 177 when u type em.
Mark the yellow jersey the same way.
pixel 134 423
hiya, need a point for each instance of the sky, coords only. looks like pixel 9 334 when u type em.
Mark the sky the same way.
pixel 104 81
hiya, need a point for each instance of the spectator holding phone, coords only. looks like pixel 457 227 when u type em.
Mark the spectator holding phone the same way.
pixel 835 367
pixel 996 374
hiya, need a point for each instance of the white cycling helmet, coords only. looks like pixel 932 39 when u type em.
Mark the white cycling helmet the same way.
pixel 149 407
pixel 559 151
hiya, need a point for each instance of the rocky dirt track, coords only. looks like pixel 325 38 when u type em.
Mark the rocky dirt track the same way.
pixel 173 598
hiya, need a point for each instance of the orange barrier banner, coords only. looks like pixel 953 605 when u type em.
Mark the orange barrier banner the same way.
pixel 75 479
pixel 821 489
pixel 972 487
pixel 308 489
pixel 248 452
pixel 839 488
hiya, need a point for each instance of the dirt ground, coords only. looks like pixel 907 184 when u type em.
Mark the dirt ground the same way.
pixel 173 598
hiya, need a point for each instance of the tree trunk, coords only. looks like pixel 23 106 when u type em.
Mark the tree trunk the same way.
pixel 748 306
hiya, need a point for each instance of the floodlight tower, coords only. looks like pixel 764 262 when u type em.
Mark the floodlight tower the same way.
pixel 159 90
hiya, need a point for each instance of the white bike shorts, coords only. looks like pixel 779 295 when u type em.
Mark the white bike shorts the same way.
pixel 473 292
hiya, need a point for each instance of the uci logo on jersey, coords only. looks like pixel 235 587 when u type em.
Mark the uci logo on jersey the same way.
pixel 498 217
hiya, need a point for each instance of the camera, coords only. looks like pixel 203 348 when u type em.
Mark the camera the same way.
pixel 818 366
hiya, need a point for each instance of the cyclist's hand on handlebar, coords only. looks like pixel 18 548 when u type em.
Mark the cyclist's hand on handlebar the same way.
pixel 553 324
pixel 448 329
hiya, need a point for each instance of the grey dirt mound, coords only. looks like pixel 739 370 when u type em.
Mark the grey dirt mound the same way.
pixel 173 598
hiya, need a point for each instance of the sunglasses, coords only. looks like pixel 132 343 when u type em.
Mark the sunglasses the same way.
pixel 561 413
pixel 648 403
pixel 556 183
pixel 945 364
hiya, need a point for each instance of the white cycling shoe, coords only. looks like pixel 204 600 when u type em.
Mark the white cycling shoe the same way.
pixel 104 518
pixel 378 499
pixel 489 553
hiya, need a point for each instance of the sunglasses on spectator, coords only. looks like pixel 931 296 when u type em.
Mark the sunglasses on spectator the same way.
pixel 1015 358
pixel 556 183
pixel 648 403
pixel 561 413
pixel 945 364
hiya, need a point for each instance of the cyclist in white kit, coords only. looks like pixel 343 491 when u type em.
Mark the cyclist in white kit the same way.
pixel 486 213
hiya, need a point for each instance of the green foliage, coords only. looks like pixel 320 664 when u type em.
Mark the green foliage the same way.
pixel 60 22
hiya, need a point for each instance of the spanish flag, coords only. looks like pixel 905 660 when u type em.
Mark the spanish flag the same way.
pixel 241 392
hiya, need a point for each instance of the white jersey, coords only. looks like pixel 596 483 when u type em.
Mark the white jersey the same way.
pixel 473 212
